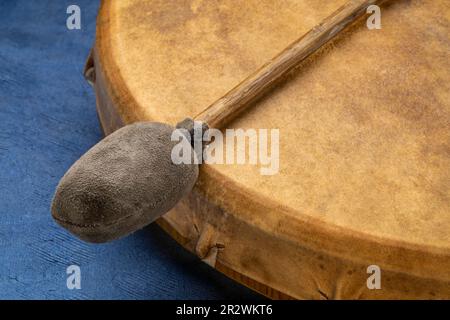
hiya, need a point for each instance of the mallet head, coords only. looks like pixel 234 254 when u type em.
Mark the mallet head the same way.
pixel 123 183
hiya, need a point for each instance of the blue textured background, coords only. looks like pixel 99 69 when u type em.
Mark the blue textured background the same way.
pixel 47 121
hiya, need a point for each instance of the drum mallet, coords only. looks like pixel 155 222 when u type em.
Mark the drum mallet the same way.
pixel 128 179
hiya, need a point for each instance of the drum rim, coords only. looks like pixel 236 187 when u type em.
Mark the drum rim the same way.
pixel 328 238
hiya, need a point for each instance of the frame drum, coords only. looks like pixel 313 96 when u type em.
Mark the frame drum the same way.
pixel 363 185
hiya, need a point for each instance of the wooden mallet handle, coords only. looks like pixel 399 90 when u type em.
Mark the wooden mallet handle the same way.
pixel 255 86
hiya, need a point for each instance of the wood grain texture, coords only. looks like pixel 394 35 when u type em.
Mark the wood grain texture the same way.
pixel 364 138
pixel 256 85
